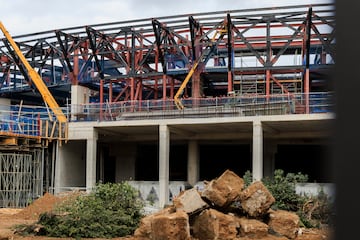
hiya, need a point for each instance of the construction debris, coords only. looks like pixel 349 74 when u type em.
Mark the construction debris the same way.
pixel 224 210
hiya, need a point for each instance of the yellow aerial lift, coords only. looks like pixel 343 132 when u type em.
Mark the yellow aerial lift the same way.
pixel 177 101
pixel 202 59
pixel 35 77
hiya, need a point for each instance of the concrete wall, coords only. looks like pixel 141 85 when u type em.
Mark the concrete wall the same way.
pixel 313 189
pixel 70 170
pixel 149 190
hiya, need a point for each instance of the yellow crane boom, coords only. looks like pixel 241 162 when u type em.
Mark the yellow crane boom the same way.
pixel 177 101
pixel 35 77
pixel 202 59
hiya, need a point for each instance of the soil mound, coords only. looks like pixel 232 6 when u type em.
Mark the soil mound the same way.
pixel 43 204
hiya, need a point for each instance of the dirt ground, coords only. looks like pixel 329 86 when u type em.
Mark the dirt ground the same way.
pixel 10 217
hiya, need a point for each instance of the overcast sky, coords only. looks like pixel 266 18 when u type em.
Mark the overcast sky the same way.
pixel 31 16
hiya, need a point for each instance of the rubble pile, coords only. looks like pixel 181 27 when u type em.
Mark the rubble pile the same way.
pixel 224 210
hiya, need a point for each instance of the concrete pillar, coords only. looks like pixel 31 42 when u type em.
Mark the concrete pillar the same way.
pixel 79 97
pixel 57 167
pixel 270 149
pixel 193 163
pixel 101 164
pixel 91 147
pixel 5 104
pixel 164 155
pixel 257 151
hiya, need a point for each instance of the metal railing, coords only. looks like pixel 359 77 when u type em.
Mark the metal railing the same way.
pixel 36 121
pixel 30 121
pixel 251 105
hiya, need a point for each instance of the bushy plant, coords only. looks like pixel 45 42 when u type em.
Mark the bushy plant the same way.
pixel 317 210
pixel 312 210
pixel 110 210
pixel 283 188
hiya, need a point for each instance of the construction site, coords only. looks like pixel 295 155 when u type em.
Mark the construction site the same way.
pixel 167 103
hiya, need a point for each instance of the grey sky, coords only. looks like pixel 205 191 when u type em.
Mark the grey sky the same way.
pixel 30 16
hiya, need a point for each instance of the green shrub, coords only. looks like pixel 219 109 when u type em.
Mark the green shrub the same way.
pixel 110 210
pixel 312 210
pixel 283 188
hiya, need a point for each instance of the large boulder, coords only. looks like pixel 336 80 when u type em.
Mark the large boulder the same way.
pixel 252 228
pixel 223 190
pixel 190 201
pixel 174 226
pixel 211 224
pixel 256 199
pixel 144 230
pixel 284 223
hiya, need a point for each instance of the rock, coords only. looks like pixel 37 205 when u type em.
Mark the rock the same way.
pixel 191 217
pixel 252 228
pixel 211 224
pixel 256 199
pixel 223 190
pixel 144 230
pixel 312 234
pixel 190 201
pixel 284 223
pixel 267 237
pixel 174 226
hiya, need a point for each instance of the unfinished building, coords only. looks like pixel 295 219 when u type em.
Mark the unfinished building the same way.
pixel 166 103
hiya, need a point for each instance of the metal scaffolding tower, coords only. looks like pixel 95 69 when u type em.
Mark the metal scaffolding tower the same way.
pixel 20 178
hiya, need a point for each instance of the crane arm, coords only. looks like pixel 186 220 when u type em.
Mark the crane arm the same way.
pixel 35 77
pixel 177 101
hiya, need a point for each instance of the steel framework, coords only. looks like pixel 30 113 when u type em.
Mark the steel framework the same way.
pixel 246 52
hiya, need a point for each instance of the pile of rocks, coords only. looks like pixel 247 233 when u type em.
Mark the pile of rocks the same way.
pixel 224 210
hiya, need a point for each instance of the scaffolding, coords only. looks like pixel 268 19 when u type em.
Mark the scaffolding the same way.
pixel 20 178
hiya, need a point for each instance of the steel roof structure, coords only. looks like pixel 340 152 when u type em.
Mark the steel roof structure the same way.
pixel 254 51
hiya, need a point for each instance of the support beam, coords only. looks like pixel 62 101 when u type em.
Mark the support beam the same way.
pixel 91 148
pixel 193 170
pixel 164 155
pixel 57 168
pixel 257 151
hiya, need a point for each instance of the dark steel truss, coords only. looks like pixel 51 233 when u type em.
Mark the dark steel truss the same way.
pixel 255 51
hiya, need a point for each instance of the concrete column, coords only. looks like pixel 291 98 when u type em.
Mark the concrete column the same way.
pixel 193 163
pixel 257 151
pixel 91 145
pixel 164 155
pixel 79 96
pixel 57 167
pixel 5 104
pixel 270 149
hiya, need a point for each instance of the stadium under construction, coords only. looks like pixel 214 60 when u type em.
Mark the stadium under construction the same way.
pixel 167 103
